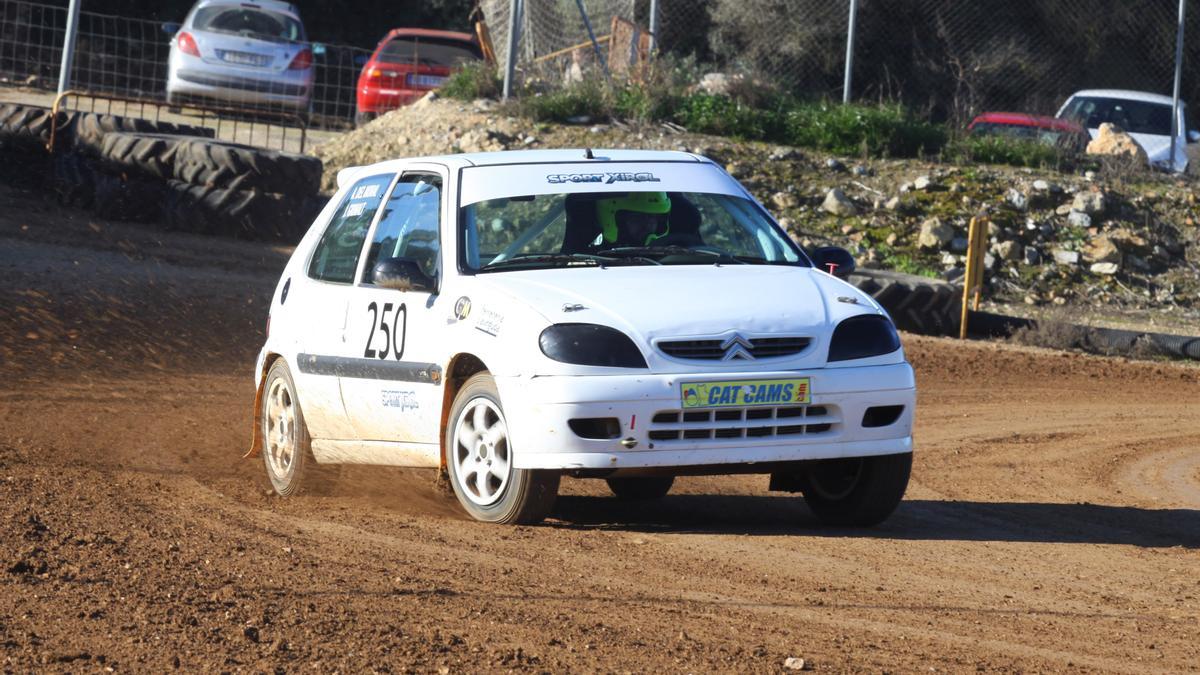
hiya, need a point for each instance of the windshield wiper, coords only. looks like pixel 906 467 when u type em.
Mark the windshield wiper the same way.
pixel 720 256
pixel 588 259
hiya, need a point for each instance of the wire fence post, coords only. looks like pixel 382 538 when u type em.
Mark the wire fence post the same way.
pixel 653 25
pixel 850 51
pixel 68 52
pixel 1178 77
pixel 510 59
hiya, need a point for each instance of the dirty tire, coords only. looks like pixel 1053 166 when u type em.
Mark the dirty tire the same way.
pixel 151 155
pixel 25 122
pixel 127 198
pixel 86 131
pixel 916 304
pixel 246 214
pixel 498 493
pixel 645 487
pixel 74 179
pixel 287 447
pixel 856 491
pixel 233 166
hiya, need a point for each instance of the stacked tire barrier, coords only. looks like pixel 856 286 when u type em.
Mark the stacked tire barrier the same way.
pixel 177 176
pixel 917 304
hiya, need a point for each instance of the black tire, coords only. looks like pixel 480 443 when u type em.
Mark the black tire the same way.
pixel 294 474
pixel 86 131
pixel 232 166
pixel 647 487
pixel 916 304
pixel 151 155
pixel 25 122
pixel 245 214
pixel 524 496
pixel 856 491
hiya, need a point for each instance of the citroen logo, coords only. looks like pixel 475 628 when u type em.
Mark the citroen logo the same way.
pixel 737 347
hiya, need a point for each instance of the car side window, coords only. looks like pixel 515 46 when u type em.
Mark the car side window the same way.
pixel 410 224
pixel 336 256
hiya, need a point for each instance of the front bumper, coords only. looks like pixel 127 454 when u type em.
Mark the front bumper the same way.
pixel 654 432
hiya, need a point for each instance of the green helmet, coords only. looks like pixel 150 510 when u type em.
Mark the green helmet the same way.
pixel 654 203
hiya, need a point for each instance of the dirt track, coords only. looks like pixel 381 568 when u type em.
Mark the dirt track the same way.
pixel 1053 522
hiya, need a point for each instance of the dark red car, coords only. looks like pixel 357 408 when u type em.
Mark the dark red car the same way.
pixel 407 63
pixel 1050 130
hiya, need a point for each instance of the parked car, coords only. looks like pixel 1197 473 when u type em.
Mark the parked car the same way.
pixel 1144 116
pixel 241 54
pixel 407 63
pixel 512 317
pixel 1041 128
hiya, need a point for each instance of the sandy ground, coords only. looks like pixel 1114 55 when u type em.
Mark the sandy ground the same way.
pixel 1053 521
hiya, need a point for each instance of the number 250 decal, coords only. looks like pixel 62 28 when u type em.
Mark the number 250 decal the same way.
pixel 393 335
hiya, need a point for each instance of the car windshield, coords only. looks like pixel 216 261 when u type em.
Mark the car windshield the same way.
pixel 1135 117
pixel 250 22
pixel 621 228
pixel 428 51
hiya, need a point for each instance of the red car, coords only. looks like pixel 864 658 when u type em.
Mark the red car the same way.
pixel 1050 130
pixel 407 63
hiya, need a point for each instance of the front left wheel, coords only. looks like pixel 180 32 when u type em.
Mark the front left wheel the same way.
pixel 479 459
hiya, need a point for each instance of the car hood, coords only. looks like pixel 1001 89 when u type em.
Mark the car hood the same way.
pixel 681 301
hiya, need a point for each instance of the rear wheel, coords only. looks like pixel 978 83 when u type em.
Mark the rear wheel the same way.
pixel 286 452
pixel 645 487
pixel 856 491
pixel 479 459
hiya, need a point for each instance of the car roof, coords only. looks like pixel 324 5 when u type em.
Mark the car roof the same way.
pixel 429 32
pixel 1127 94
pixel 273 5
pixel 517 157
pixel 1025 120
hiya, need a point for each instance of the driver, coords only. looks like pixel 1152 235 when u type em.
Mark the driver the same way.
pixel 635 219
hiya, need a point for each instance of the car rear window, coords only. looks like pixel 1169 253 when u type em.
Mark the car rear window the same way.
pixel 428 51
pixel 249 21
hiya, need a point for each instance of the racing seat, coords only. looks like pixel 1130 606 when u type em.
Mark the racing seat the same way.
pixel 582 228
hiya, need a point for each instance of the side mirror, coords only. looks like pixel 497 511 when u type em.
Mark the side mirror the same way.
pixel 833 259
pixel 401 274
pixel 1193 136
pixel 171 28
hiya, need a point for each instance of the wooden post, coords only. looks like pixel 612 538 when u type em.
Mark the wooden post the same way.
pixel 973 279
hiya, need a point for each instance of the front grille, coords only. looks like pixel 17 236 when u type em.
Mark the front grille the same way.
pixel 716 350
pixel 727 423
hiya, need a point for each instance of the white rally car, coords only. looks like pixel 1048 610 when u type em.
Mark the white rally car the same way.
pixel 512 317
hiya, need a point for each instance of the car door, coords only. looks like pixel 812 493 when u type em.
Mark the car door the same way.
pixel 319 305
pixel 396 396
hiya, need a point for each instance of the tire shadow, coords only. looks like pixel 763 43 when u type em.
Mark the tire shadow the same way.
pixel 924 520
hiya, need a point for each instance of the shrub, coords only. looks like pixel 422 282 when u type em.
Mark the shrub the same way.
pixel 588 98
pixel 878 131
pixel 472 81
pixel 996 149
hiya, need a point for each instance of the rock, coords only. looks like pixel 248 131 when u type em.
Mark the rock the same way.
pixel 906 188
pixel 784 200
pixel 925 184
pixel 1079 219
pixel 1091 202
pixel 1066 257
pixel 892 238
pixel 1111 140
pixel 934 234
pixel 954 273
pixel 1089 175
pixel 1063 210
pixel 1041 186
pixel 1101 249
pixel 783 154
pixel 837 203
pixel 959 244
pixel 1007 250
pixel 833 164
pixel 1128 240
pixel 950 260
pixel 989 261
pixel 734 169
pixel 860 170
pixel 1017 198
pixel 794 663
pixel 1032 256
pixel 1105 268
pixel 719 84
pixel 892 204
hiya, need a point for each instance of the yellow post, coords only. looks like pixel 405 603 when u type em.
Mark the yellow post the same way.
pixel 973 279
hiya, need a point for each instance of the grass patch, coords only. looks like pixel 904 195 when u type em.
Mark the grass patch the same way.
pixel 996 149
pixel 472 81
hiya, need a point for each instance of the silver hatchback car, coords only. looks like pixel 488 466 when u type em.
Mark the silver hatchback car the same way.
pixel 244 54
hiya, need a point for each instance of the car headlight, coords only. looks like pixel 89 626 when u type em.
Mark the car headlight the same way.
pixel 861 336
pixel 587 344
